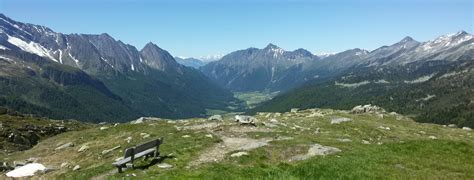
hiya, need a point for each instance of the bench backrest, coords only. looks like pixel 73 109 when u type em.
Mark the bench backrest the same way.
pixel 148 145
pixel 142 147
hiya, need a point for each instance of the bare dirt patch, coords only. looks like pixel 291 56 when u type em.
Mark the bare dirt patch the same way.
pixel 220 150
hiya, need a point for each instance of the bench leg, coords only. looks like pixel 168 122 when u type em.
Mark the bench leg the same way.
pixel 120 169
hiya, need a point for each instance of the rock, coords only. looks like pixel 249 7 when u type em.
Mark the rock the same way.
pixel 128 139
pixel 321 150
pixel 216 117
pixel 31 160
pixel 317 131
pixel 294 110
pixel 365 142
pixel 26 170
pixel 83 148
pixel 18 163
pixel 432 137
pixel 76 167
pixel 116 124
pixel 104 128
pixel 466 128
pixel 268 115
pixel 164 165
pixel 399 166
pixel 49 169
pixel 64 164
pixel 110 150
pixel 381 116
pixel 102 123
pixel 274 121
pixel 245 120
pixel 145 135
pixel 186 136
pixel 282 138
pixel 138 121
pixel 67 145
pixel 209 135
pixel 5 167
pixel 384 128
pixel 344 140
pixel 238 154
pixel 315 114
pixel 270 125
pixel 316 150
pixel 339 120
pixel 452 126
pixel 277 115
pixel 366 109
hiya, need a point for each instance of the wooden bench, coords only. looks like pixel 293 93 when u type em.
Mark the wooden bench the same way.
pixel 146 150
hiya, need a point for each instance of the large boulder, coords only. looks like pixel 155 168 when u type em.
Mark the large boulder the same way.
pixel 368 108
pixel 144 119
pixel 245 120
pixel 216 117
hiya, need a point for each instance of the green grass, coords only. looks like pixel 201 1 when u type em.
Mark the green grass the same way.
pixel 252 99
pixel 404 152
pixel 413 159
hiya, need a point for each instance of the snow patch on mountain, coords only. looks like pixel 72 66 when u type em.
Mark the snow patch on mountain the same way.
pixel 74 59
pixel 351 84
pixel 3 47
pixel 31 47
pixel 6 58
pixel 325 54
pixel 420 79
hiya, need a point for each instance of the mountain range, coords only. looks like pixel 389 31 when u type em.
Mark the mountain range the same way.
pixel 431 81
pixel 255 69
pixel 272 68
pixel 97 78
pixel 190 62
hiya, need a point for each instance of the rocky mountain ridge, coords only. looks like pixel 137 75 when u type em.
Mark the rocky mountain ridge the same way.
pixel 89 71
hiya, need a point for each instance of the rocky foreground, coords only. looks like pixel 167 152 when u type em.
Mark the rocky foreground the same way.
pixel 366 142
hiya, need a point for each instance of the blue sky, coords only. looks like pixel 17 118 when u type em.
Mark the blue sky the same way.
pixel 208 27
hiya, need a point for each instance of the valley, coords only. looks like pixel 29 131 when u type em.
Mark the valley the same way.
pixel 217 98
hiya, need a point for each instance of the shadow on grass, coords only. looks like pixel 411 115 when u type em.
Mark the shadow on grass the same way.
pixel 153 162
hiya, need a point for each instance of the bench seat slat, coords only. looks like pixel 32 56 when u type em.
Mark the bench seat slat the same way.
pixel 122 161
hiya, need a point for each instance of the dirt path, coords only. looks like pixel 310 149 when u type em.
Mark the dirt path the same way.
pixel 219 151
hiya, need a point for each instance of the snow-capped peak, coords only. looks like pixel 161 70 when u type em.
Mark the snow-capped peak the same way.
pixel 447 41
pixel 325 54
pixel 210 58
pixel 277 51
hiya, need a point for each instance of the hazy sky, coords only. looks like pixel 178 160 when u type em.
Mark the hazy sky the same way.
pixel 208 27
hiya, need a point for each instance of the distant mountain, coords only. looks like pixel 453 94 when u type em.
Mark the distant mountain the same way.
pixel 210 58
pixel 97 78
pixel 432 81
pixel 255 69
pixel 190 62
